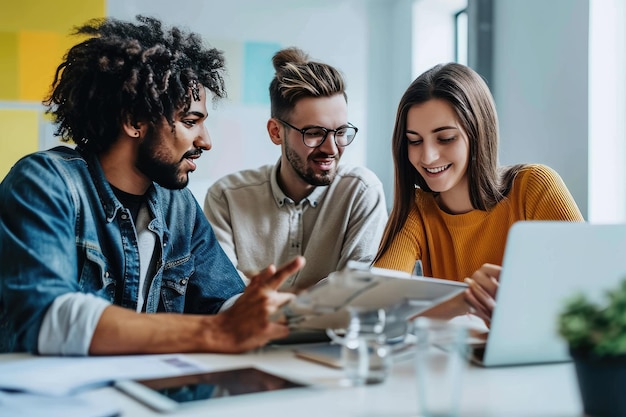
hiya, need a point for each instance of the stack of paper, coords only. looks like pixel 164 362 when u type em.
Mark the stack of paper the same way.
pixel 51 386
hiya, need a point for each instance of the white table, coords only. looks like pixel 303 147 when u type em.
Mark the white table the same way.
pixel 528 391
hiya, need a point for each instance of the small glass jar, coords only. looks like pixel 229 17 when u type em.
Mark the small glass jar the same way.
pixel 365 354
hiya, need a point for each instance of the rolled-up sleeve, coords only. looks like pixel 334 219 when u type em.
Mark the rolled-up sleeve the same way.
pixel 69 324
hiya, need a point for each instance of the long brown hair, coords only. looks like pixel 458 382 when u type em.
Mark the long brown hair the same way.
pixel 471 99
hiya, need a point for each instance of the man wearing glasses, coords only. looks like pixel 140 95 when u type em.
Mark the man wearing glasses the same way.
pixel 306 204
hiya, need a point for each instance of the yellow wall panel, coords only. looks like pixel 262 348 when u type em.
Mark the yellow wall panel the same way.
pixel 34 37
pixel 8 66
pixel 56 16
pixel 19 136
pixel 39 55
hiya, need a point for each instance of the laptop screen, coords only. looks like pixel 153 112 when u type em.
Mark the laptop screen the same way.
pixel 546 262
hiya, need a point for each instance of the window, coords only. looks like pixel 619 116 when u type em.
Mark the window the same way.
pixel 439 33
pixel 460 36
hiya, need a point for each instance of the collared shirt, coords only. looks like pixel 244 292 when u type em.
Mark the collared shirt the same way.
pixel 257 224
pixel 64 234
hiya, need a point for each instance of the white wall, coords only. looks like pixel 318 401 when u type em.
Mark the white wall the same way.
pixel 607 111
pixel 434 33
pixel 389 64
pixel 541 78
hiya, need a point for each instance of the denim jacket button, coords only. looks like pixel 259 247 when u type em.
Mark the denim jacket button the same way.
pixel 183 281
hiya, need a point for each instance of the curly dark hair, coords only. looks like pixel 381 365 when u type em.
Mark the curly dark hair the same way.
pixel 128 72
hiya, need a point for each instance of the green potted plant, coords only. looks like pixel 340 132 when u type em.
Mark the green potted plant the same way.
pixel 596 335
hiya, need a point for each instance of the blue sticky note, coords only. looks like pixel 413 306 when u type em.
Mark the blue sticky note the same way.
pixel 258 71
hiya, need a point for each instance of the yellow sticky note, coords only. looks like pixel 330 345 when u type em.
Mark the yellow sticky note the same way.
pixel 39 56
pixel 8 66
pixel 20 136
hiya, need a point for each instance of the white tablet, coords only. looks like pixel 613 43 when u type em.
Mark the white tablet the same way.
pixel 174 393
pixel 326 304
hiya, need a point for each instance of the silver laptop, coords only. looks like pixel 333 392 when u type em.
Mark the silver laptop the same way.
pixel 546 262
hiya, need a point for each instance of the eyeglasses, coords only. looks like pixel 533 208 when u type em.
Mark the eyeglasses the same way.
pixel 314 136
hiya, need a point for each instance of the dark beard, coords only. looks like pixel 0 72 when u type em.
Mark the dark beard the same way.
pixel 151 162
pixel 307 174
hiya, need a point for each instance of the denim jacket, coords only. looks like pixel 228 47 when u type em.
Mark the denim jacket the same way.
pixel 63 230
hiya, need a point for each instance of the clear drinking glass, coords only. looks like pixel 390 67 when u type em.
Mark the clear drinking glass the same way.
pixel 440 363
pixel 365 354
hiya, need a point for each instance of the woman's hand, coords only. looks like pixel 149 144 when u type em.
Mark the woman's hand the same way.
pixel 481 294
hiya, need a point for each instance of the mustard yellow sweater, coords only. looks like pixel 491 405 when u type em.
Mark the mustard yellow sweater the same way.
pixel 453 246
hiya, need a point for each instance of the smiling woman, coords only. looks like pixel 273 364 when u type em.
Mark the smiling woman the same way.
pixel 453 204
pixel 438 149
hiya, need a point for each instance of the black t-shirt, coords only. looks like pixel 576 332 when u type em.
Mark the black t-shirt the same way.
pixel 132 202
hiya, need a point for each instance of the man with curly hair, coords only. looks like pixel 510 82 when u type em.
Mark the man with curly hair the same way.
pixel 96 235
